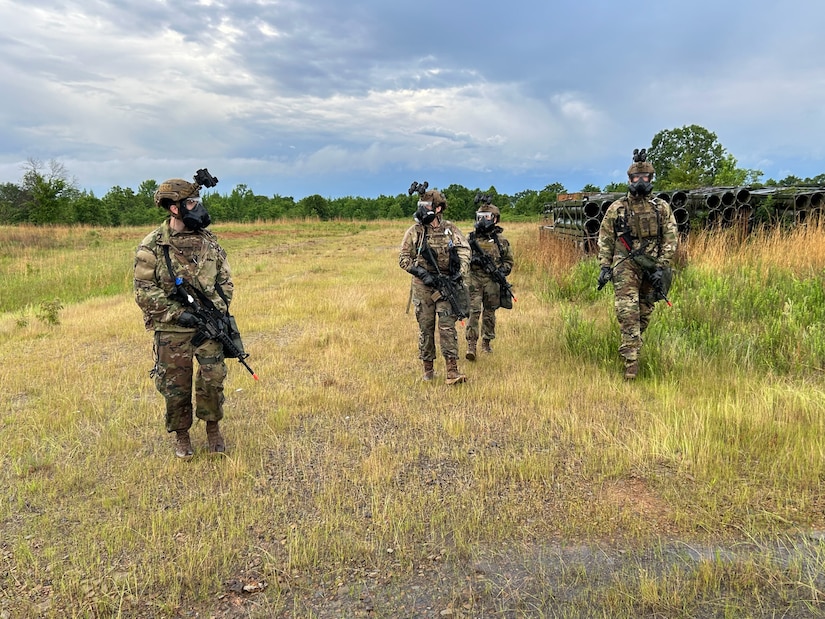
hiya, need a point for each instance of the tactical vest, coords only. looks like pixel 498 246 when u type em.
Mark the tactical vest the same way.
pixel 440 241
pixel 645 224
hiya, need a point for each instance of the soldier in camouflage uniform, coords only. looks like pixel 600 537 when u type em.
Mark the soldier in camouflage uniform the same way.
pixel 452 255
pixel 485 292
pixel 196 256
pixel 642 227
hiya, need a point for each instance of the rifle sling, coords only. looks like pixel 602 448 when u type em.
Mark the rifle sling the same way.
pixel 201 296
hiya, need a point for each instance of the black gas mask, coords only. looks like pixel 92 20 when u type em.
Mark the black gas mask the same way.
pixel 485 222
pixel 425 213
pixel 640 184
pixel 195 218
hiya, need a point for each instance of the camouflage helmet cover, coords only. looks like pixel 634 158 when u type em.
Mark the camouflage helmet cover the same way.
pixel 490 208
pixel 174 190
pixel 640 163
pixel 436 197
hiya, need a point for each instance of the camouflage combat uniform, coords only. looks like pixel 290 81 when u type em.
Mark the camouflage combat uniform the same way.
pixel 441 235
pixel 651 224
pixel 200 260
pixel 485 293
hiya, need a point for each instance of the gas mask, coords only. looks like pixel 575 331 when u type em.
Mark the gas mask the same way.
pixel 195 218
pixel 640 185
pixel 485 222
pixel 425 213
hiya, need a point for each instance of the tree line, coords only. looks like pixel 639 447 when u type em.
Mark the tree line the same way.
pixel 684 158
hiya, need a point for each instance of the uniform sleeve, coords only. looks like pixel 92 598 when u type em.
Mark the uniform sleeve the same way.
pixel 506 255
pixel 670 236
pixel 465 253
pixel 225 276
pixel 607 238
pixel 149 295
pixel 406 255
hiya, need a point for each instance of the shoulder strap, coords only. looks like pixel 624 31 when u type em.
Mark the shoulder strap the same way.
pixel 203 298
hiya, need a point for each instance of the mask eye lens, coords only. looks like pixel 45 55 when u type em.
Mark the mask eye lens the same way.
pixel 635 178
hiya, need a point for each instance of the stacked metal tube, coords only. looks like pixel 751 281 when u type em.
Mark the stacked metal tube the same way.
pixel 578 216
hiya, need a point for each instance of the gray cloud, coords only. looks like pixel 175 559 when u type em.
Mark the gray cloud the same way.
pixel 292 97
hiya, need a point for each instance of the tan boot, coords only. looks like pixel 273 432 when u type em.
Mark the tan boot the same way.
pixel 453 375
pixel 428 370
pixel 214 438
pixel 631 369
pixel 485 346
pixel 471 350
pixel 183 445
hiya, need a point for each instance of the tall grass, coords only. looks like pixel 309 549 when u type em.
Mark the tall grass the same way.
pixel 545 486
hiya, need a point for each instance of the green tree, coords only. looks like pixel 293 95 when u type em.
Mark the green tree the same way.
pixel 14 204
pixel 590 188
pixel 615 188
pixel 731 176
pixel 49 191
pixel 126 208
pixel 460 203
pixel 91 210
pixel 686 157
pixel 314 206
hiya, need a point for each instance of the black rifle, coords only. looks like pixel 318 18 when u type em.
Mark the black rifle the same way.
pixel 488 265
pixel 212 325
pixel 444 284
pixel 632 254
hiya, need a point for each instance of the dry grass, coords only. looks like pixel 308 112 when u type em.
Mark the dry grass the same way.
pixel 352 488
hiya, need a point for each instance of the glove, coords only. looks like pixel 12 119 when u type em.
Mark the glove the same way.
pixel 503 273
pixel 187 319
pixel 428 279
pixel 656 278
pixel 424 275
pixel 604 276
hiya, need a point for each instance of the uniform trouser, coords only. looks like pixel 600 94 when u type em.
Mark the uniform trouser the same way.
pixel 427 312
pixel 174 368
pixel 484 301
pixel 634 301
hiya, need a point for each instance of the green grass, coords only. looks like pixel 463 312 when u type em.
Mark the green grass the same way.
pixel 544 487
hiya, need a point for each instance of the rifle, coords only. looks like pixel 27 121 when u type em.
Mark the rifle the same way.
pixel 488 265
pixel 212 325
pixel 444 284
pixel 632 254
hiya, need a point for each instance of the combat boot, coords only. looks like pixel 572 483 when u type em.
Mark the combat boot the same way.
pixel 631 369
pixel 471 350
pixel 485 346
pixel 453 375
pixel 214 438
pixel 183 445
pixel 428 370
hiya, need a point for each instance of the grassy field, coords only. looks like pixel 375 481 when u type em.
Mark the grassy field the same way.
pixel 545 486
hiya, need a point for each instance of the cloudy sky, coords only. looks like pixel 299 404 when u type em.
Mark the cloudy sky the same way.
pixel 337 97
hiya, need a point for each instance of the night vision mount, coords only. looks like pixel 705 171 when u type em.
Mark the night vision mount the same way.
pixel 482 198
pixel 639 156
pixel 204 178
pixel 419 188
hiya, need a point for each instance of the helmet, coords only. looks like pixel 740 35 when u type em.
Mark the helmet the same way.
pixel 640 163
pixel 489 208
pixel 640 186
pixel 436 197
pixel 174 190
